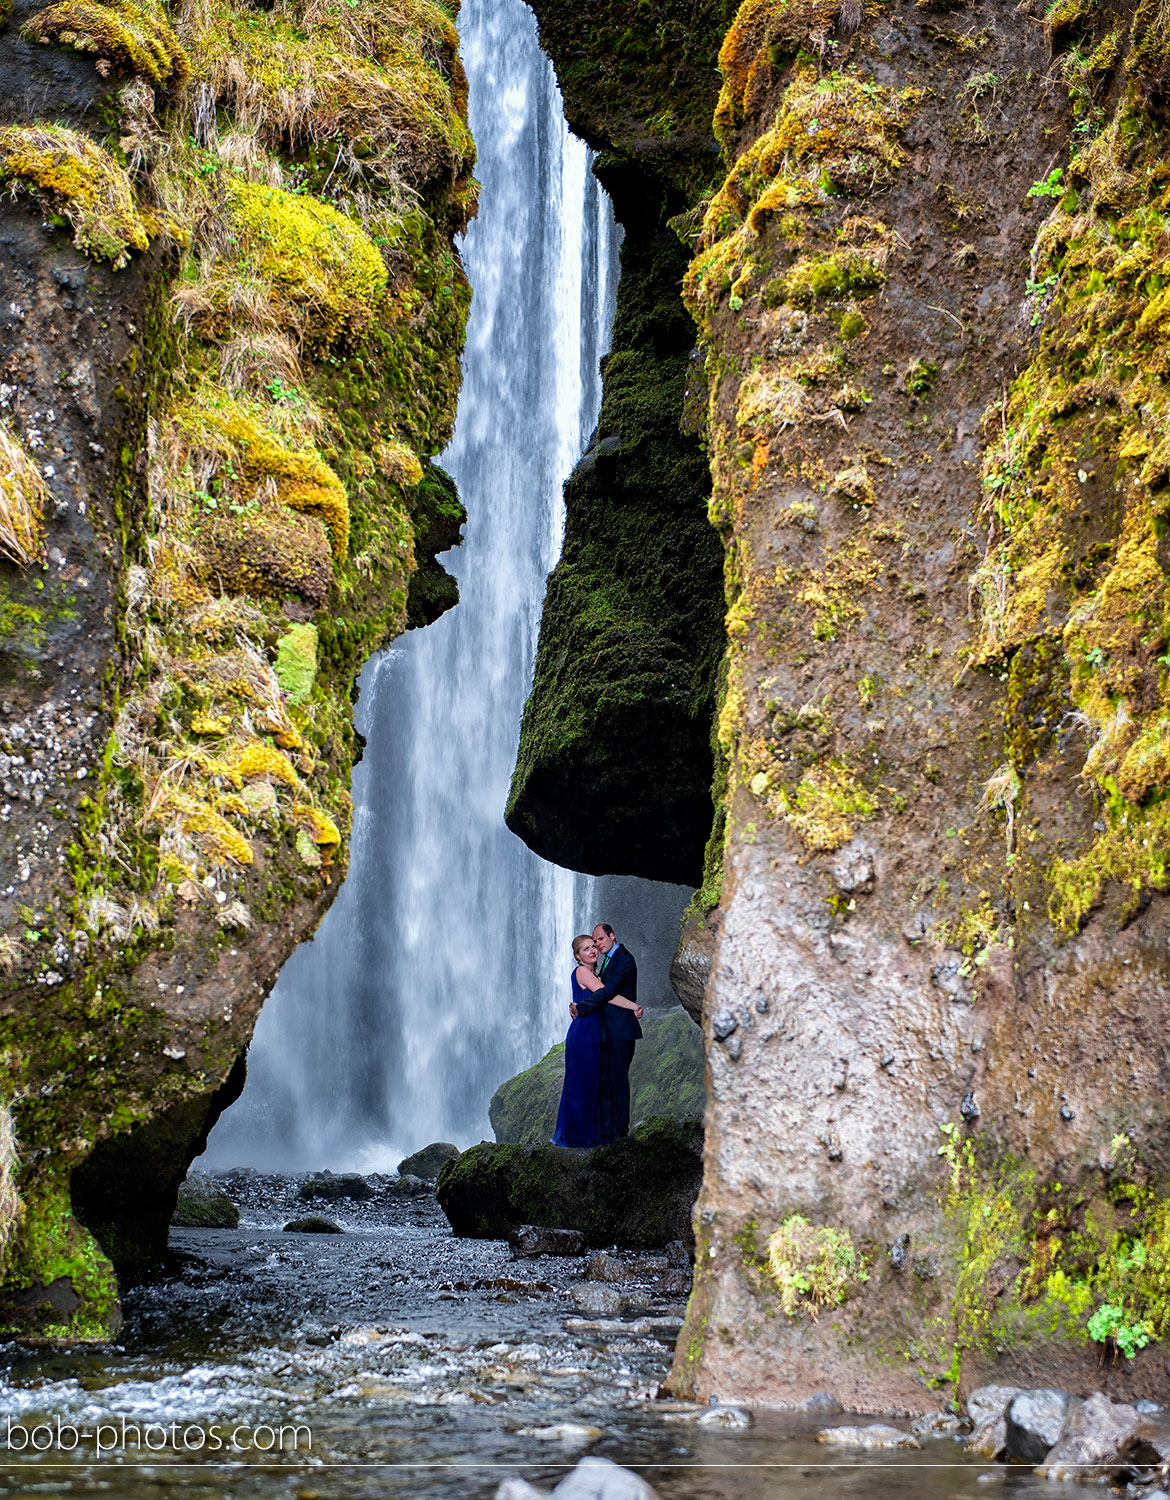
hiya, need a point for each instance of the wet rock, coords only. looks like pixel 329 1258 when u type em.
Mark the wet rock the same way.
pixel 677 1255
pixel 597 1299
pixel 313 1224
pixel 409 1186
pixel 969 1109
pixel 603 1267
pixel 204 1205
pixel 1146 1408
pixel 534 1239
pixel 731 1418
pixel 876 1435
pixel 428 1162
pixel 1089 1441
pixel 822 1401
pixel 1034 1423
pixel 600 1479
pixel 636 1193
pixel 899 1252
pixel 935 1424
pixel 990 1439
pixel 1147 1446
pixel 326 1185
pixel 675 1284
pixel 989 1401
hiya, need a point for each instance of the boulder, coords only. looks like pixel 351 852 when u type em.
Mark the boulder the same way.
pixel 675 1284
pixel 692 960
pixel 1147 1446
pixel 332 1188
pixel 428 1162
pixel 535 1239
pixel 666 1078
pixel 596 1299
pixel 876 1435
pixel 678 1256
pixel 1089 1441
pixel 409 1186
pixel 821 1401
pixel 989 1401
pixel 989 1440
pixel 313 1224
pixel 636 1193
pixel 1034 1423
pixel 204 1205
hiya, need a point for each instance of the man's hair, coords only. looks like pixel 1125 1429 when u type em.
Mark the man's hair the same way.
pixel 605 927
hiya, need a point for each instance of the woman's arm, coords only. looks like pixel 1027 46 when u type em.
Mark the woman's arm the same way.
pixel 624 1003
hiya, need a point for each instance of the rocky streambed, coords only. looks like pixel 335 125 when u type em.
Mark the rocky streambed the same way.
pixel 395 1359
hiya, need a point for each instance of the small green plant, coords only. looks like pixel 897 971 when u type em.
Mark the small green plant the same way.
pixel 1050 187
pixel 1108 1326
pixel 814 1265
pixel 920 377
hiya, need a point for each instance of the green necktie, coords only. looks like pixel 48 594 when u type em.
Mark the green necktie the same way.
pixel 604 961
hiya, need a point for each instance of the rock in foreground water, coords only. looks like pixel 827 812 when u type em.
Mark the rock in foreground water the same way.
pixel 1088 1443
pixel 1034 1423
pixel 592 1479
pixel 636 1193
pixel 876 1435
pixel 313 1224
pixel 203 1205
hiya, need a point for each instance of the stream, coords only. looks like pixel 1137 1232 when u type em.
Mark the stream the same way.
pixel 414 1364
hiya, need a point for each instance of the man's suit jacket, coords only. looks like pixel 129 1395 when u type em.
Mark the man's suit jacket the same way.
pixel 621 978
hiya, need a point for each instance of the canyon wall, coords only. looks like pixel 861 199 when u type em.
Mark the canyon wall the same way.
pixel 229 346
pixel 929 285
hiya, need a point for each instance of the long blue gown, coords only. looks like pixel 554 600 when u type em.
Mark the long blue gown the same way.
pixel 577 1121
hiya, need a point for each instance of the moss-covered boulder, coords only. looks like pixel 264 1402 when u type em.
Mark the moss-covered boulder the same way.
pixel 637 1192
pixel 428 1163
pixel 204 1205
pixel 666 1079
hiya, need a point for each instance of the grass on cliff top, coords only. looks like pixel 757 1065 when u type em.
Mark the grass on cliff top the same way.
pixel 134 36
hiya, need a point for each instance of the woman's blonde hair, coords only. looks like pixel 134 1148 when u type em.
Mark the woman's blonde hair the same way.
pixel 584 937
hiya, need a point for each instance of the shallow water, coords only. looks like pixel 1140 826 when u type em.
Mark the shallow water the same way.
pixel 421 1365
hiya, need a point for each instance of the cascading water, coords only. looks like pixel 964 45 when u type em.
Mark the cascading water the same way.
pixel 441 968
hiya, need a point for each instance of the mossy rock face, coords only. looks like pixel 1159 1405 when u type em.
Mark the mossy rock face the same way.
pixel 666 1080
pixel 614 769
pixel 236 498
pixel 637 1193
pixel 429 1162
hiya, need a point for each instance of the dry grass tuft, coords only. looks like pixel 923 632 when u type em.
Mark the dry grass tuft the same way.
pixel 9 1161
pixel 23 494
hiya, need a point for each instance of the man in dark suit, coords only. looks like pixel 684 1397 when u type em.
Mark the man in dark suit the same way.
pixel 619 1030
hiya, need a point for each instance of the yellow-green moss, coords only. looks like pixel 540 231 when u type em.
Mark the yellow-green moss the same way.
pixel 296 662
pixel 71 175
pixel 135 36
pixel 323 272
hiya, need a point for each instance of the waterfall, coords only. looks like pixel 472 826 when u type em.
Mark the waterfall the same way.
pixel 442 967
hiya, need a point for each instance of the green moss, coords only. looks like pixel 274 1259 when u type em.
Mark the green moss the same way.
pixel 135 36
pixel 71 175
pixel 296 662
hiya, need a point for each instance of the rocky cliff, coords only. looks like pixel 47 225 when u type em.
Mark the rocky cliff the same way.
pixel 929 282
pixel 229 345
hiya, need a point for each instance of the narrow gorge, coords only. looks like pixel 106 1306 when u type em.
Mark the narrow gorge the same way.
pixel 856 634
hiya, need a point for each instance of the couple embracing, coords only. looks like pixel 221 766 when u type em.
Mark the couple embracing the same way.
pixel 595 1099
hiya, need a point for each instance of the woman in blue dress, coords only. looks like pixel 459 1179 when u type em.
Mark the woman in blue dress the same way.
pixel 577 1120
